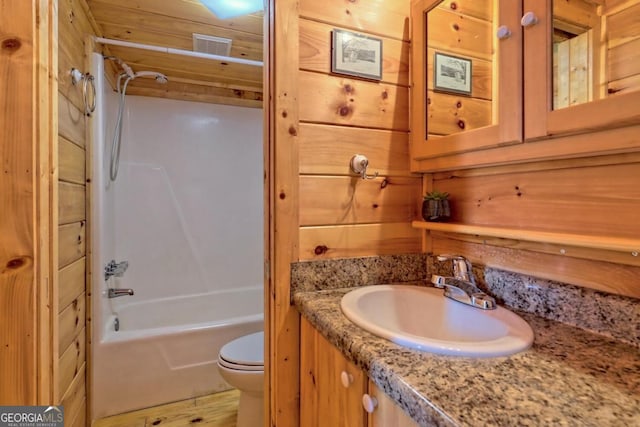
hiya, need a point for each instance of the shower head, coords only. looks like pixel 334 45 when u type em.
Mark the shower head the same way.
pixel 160 78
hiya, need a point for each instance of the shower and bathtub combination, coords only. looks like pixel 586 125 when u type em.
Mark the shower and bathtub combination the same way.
pixel 177 236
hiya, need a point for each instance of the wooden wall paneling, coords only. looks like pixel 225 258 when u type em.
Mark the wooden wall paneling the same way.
pixel 75 397
pixel 77 13
pixel 81 418
pixel 72 203
pixel 197 93
pixel 624 60
pixel 315 53
pixel 327 150
pixel 624 26
pixel 175 31
pixel 623 86
pixel 71 321
pixel 73 28
pixel 345 101
pixel 448 114
pixel 18 246
pixel 380 17
pixel 71 167
pixel 350 200
pixel 71 361
pixel 186 10
pixel 347 241
pixel 580 201
pixel 27 232
pixel 71 121
pixel 460 35
pixel 189 67
pixel 599 275
pixel 283 319
pixel 472 8
pixel 566 249
pixel 72 283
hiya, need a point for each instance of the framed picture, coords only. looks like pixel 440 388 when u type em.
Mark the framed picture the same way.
pixel 356 55
pixel 451 74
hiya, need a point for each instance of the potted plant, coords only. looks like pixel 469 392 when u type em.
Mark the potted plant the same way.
pixel 435 207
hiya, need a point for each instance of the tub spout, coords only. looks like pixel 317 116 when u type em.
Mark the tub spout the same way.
pixel 115 293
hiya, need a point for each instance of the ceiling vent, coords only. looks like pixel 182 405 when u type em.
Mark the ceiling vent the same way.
pixel 211 44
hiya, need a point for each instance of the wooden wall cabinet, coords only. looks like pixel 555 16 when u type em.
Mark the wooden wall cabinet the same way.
pixel 524 86
pixel 446 123
pixel 332 389
pixel 614 101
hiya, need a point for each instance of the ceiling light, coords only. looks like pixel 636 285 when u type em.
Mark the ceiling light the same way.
pixel 224 9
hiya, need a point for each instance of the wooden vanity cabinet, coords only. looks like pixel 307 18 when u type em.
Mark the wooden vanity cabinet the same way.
pixel 332 389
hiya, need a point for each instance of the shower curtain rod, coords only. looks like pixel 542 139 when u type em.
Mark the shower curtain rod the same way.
pixel 178 51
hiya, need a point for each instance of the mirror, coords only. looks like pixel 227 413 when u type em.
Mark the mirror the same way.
pixel 596 47
pixel 460 67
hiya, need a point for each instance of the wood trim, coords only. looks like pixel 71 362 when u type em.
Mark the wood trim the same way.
pixel 601 255
pixel 621 110
pixel 47 207
pixel 269 201
pixel 89 48
pixel 619 140
pixel 538 69
pixel 510 78
pixel 283 319
pixel 609 243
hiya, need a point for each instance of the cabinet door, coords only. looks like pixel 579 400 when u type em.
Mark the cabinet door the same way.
pixel 387 413
pixel 582 66
pixel 466 76
pixel 324 400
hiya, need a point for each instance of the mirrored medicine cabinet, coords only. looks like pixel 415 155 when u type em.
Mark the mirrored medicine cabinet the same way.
pixel 491 73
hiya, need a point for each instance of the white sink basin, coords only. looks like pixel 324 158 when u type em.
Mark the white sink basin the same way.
pixel 422 318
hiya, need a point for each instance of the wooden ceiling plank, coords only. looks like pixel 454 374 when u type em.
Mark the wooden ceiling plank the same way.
pixel 239 49
pixel 141 57
pixel 191 10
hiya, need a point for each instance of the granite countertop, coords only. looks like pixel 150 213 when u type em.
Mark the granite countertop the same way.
pixel 568 377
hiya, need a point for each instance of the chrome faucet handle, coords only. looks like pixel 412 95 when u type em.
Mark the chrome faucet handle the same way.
pixel 464 292
pixel 115 269
pixel 461 267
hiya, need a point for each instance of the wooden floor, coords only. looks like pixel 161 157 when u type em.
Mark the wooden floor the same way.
pixel 215 410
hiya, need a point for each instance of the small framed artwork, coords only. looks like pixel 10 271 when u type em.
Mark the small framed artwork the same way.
pixel 451 74
pixel 356 55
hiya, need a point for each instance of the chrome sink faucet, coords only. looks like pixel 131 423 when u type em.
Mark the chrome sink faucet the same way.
pixel 462 286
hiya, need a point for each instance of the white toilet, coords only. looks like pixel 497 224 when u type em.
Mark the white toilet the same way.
pixel 241 364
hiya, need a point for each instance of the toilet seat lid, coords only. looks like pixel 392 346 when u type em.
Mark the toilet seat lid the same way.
pixel 245 351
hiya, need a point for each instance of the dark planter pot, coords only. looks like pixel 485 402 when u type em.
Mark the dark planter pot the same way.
pixel 436 210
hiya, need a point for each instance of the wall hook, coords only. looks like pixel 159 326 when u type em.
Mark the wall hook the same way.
pixel 359 164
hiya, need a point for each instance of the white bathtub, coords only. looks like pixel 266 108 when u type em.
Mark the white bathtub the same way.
pixel 166 350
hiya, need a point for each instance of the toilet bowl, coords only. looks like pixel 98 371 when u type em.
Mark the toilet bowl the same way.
pixel 241 364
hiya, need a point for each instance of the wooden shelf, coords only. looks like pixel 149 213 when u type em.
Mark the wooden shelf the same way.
pixel 618 244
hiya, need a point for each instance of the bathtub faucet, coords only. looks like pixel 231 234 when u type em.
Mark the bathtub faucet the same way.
pixel 115 269
pixel 115 293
